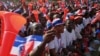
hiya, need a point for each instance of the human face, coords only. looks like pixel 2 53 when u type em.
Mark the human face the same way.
pixel 43 21
pixel 79 20
pixel 59 28
pixel 69 25
pixel 39 29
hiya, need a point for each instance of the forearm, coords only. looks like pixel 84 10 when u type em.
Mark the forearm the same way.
pixel 39 50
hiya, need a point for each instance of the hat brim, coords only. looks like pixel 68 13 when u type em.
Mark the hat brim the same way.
pixel 59 24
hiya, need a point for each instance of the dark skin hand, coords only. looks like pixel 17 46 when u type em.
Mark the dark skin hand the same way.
pixel 48 36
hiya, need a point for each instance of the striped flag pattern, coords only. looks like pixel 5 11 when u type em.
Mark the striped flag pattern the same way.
pixel 22 46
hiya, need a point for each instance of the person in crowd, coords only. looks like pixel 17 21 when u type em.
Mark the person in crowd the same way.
pixel 86 18
pixel 36 29
pixel 70 32
pixel 81 23
pixel 70 36
pixel 58 45
pixel 48 36
pixel 78 26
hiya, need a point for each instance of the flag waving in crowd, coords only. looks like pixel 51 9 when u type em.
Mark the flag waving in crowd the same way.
pixel 49 28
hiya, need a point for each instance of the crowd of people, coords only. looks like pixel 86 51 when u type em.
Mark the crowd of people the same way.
pixel 63 29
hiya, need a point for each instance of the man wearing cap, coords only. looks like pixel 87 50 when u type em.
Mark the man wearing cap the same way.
pixel 57 45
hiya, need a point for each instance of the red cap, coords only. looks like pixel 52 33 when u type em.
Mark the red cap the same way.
pixel 77 17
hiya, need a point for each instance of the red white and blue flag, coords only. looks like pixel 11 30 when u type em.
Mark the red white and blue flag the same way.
pixel 22 46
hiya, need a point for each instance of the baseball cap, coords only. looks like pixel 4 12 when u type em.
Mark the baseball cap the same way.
pixel 48 25
pixel 57 22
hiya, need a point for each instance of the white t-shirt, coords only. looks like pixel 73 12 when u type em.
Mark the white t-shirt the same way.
pixel 89 19
pixel 86 21
pixel 70 37
pixel 57 44
pixel 81 26
pixel 77 32
pixel 78 28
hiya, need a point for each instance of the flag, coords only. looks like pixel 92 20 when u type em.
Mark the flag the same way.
pixel 23 46
pixel 36 38
pixel 33 41
pixel 36 15
pixel 12 23
pixel 18 46
pixel 66 10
